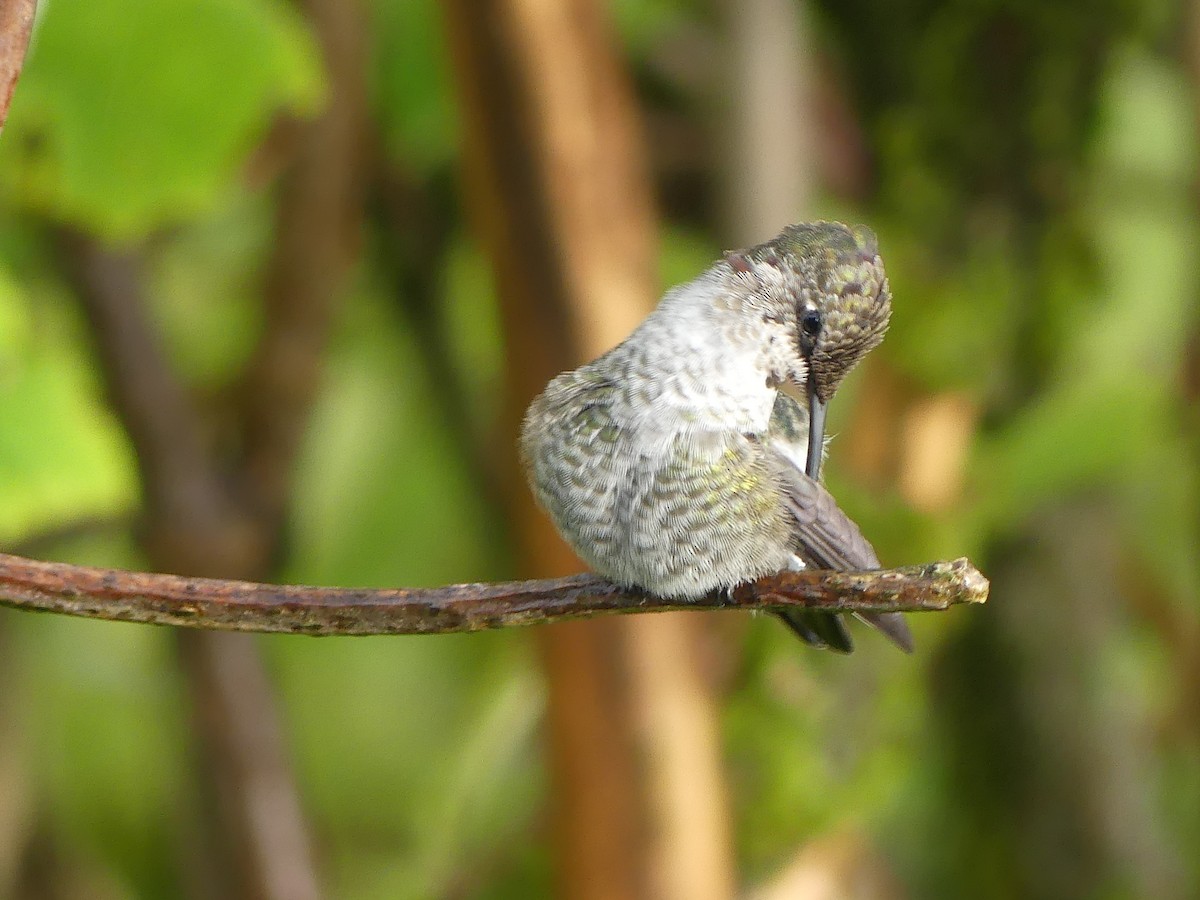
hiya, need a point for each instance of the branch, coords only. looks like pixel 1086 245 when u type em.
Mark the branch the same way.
pixel 255 836
pixel 162 424
pixel 244 606
pixel 317 236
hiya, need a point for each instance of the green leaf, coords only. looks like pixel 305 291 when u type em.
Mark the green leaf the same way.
pixel 62 456
pixel 132 115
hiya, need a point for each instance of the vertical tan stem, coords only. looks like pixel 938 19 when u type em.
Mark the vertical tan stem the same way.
pixel 560 195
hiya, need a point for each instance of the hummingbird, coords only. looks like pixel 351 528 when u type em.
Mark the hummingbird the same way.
pixel 686 459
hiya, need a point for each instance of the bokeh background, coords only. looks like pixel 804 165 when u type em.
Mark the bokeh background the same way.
pixel 276 281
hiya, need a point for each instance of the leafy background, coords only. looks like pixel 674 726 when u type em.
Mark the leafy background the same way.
pixel 1031 170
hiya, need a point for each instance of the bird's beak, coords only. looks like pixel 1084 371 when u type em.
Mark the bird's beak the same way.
pixel 816 431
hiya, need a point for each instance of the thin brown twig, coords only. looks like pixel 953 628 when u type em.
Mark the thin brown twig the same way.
pixel 194 523
pixel 317 238
pixel 203 514
pixel 163 424
pixel 209 603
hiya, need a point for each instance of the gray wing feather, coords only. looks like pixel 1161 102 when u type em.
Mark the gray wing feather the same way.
pixel 826 538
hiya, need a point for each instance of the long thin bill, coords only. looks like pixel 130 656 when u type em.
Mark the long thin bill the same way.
pixel 816 433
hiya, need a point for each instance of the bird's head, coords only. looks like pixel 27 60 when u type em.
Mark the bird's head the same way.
pixel 832 293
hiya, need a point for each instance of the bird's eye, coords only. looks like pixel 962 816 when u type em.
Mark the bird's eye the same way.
pixel 811 322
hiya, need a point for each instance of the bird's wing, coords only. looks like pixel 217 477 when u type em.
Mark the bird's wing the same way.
pixel 826 538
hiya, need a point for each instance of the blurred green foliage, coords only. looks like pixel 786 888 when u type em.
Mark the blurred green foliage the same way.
pixel 1039 223
pixel 134 116
pixel 63 455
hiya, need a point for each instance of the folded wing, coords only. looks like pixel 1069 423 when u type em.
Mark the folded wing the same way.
pixel 825 537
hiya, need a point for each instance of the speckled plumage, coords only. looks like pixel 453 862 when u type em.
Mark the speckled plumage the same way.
pixel 671 462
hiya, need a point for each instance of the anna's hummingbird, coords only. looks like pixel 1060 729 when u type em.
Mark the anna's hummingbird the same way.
pixel 679 462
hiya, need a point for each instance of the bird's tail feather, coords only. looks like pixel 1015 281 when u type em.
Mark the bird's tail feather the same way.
pixel 820 629
pixel 828 630
pixel 892 626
